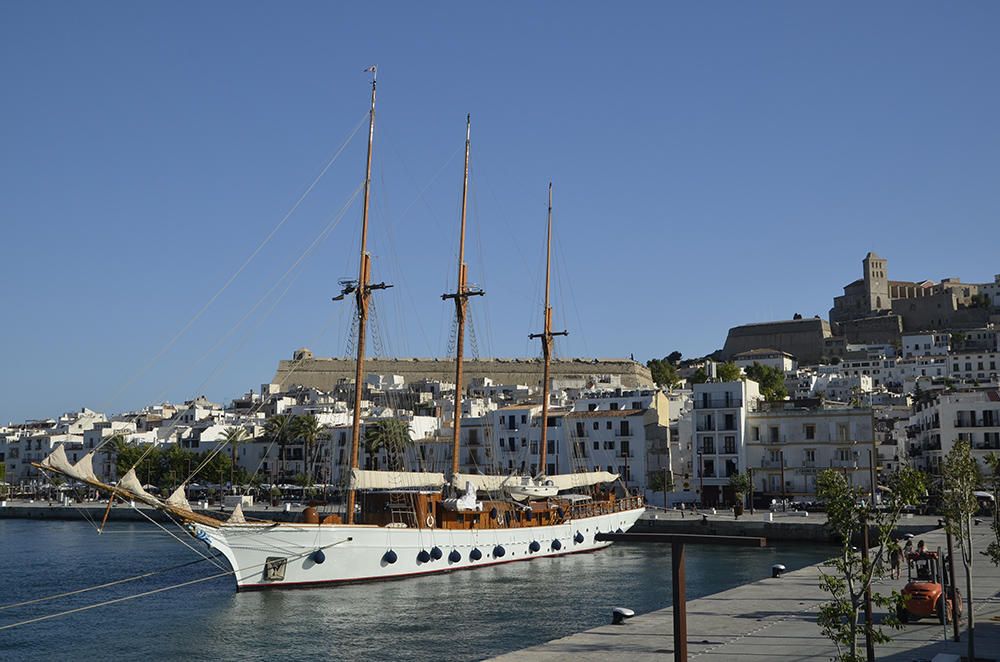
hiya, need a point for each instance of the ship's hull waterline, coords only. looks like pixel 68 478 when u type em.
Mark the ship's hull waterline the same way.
pixel 269 556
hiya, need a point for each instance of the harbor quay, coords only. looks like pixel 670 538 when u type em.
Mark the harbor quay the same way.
pixel 775 619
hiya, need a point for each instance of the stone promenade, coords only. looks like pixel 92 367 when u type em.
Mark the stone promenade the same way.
pixel 775 619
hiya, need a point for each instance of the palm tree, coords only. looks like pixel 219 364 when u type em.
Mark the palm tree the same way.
pixel 233 436
pixel 307 428
pixel 278 430
pixel 392 435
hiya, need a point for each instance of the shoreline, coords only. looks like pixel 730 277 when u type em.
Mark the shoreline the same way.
pixel 777 527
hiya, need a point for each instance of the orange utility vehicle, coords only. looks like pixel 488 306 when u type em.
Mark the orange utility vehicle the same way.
pixel 924 593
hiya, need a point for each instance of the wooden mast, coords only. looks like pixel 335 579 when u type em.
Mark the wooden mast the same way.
pixel 546 337
pixel 362 291
pixel 461 297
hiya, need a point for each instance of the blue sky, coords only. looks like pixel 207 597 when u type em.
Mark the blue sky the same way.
pixel 714 164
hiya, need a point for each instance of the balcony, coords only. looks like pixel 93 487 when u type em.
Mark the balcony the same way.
pixel 770 464
pixel 844 464
pixel 718 403
pixel 705 427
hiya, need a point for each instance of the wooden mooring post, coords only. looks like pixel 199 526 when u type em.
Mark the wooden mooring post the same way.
pixel 677 541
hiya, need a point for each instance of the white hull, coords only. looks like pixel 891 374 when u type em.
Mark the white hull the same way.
pixel 360 553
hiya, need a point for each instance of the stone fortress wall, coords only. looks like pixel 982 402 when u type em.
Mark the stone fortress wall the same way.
pixel 325 373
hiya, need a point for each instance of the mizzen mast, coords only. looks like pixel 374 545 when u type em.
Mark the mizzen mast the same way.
pixel 362 292
pixel 546 337
pixel 461 296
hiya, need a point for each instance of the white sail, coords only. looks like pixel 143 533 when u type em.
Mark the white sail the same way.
pixel 484 483
pixel 569 481
pixel 365 479
pixel 237 516
pixel 84 469
pixel 178 499
pixel 131 483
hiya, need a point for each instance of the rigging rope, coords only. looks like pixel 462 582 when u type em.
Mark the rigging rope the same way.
pixel 245 264
pixel 116 582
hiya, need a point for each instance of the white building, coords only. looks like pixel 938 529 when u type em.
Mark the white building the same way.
pixel 788 445
pixel 937 422
pixel 974 366
pixel 929 343
pixel 772 358
pixel 719 450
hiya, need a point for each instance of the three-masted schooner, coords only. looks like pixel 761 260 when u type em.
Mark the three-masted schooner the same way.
pixel 406 526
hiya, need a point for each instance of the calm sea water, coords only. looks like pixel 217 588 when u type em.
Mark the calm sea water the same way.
pixel 456 616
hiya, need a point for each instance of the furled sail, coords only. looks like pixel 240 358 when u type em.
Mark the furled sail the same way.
pixel 364 479
pixel 569 481
pixel 131 483
pixel 58 461
pixel 84 468
pixel 484 483
pixel 178 499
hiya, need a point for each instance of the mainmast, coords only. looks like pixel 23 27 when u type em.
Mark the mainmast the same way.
pixel 461 297
pixel 362 291
pixel 546 337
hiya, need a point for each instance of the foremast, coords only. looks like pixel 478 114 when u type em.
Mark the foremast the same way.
pixel 461 297
pixel 546 336
pixel 362 293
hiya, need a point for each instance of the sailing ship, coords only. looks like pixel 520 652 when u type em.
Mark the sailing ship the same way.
pixel 405 524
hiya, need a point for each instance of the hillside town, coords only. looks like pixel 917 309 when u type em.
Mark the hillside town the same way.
pixel 899 372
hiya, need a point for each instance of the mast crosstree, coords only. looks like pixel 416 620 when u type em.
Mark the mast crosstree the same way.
pixel 546 336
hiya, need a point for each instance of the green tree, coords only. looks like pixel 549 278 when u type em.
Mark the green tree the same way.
pixel 673 357
pixel 960 480
pixel 852 576
pixel 307 428
pixel 771 380
pixel 992 483
pixel 233 436
pixel 740 482
pixel 699 376
pixel 729 372
pixel 391 435
pixel 664 372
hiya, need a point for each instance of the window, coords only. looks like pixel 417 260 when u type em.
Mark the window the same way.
pixel 591 407
pixel 623 429
pixel 524 418
pixel 534 448
pixel 524 442
pixel 708 445
pixel 609 445
pixel 774 435
pixel 842 431
pixel 755 433
pixel 579 429
pixel 635 405
pixel 597 426
pixel 775 456
pixel 625 449
pixel 810 431
pixel 607 425
pixel 597 447
pixel 729 445
pixel 809 455
pixel 614 406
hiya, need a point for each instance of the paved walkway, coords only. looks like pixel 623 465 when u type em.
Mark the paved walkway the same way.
pixel 775 619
